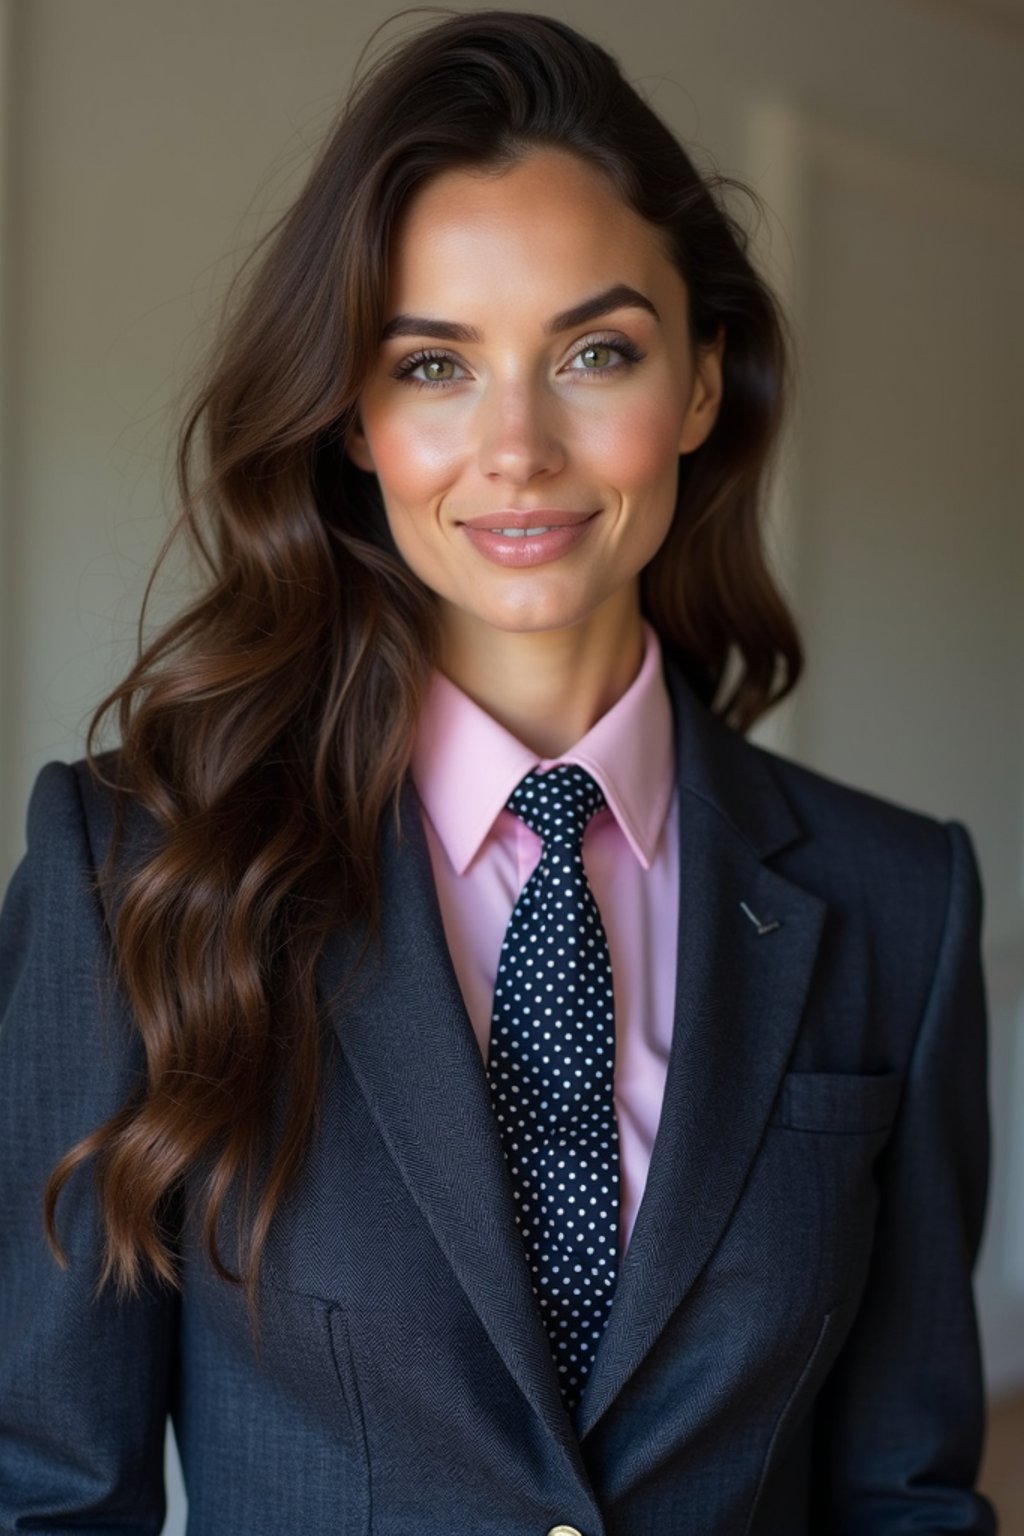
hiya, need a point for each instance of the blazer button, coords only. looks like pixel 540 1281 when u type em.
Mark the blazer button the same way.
pixel 564 1530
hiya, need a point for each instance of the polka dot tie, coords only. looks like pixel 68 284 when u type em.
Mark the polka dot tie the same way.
pixel 551 1068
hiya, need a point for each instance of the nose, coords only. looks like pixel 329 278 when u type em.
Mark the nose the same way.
pixel 519 432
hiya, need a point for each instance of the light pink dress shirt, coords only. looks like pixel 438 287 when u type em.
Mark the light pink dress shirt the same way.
pixel 464 767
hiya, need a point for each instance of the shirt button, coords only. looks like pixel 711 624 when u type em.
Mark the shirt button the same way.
pixel 564 1530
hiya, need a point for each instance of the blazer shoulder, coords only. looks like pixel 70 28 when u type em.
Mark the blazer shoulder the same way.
pixel 833 809
pixel 858 845
pixel 784 808
pixel 902 885
pixel 70 821
pixel 101 785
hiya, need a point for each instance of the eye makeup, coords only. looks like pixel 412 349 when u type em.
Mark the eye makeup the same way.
pixel 627 350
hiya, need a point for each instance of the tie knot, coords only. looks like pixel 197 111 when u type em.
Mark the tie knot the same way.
pixel 558 804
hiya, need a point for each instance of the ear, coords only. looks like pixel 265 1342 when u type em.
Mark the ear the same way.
pixel 357 448
pixel 706 398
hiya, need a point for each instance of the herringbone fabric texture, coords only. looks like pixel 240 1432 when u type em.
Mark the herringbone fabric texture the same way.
pixel 551 1067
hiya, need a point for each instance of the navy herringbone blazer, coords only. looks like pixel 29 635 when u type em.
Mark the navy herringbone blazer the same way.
pixel 792 1349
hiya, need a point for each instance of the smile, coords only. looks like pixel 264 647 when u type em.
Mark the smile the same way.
pixel 527 546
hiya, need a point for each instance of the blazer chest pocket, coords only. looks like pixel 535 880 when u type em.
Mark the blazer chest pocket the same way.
pixel 843 1103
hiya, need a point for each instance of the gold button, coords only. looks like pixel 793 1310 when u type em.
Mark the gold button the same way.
pixel 564 1530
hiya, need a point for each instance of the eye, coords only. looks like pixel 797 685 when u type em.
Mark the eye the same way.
pixel 431 361
pixel 592 353
pixel 595 349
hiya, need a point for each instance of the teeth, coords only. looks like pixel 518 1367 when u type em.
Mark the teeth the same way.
pixel 518 533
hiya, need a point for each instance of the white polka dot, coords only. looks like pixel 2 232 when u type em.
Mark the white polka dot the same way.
pixel 556 921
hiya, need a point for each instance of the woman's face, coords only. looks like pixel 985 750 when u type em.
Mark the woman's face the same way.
pixel 490 398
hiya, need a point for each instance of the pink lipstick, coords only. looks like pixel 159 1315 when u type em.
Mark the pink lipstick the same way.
pixel 527 538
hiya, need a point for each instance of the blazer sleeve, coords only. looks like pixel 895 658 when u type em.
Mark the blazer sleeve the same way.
pixel 900 1419
pixel 84 1383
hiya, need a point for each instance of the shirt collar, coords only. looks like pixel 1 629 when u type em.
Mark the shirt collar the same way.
pixel 465 764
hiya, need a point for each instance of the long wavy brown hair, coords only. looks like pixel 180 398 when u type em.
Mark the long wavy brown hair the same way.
pixel 266 729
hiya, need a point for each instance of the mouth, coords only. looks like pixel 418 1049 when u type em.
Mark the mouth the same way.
pixel 536 543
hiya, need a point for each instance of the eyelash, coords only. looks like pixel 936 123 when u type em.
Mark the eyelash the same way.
pixel 405 369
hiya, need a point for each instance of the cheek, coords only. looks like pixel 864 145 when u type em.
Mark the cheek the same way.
pixel 414 457
pixel 636 448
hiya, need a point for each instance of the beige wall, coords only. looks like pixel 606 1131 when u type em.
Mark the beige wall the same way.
pixel 145 143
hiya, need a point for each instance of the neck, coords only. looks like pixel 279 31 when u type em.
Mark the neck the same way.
pixel 548 687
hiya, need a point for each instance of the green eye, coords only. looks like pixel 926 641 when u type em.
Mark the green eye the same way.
pixel 433 368
pixel 605 356
pixel 433 365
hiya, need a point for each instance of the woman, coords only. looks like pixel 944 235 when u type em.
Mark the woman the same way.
pixel 467 1084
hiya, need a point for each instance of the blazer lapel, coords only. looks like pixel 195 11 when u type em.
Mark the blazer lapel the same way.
pixel 408 1039
pixel 738 1001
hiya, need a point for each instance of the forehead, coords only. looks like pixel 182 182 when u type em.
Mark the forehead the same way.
pixel 552 225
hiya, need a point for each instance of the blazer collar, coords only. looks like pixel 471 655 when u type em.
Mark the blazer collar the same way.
pixel 728 773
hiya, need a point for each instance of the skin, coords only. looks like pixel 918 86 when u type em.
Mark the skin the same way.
pixel 526 419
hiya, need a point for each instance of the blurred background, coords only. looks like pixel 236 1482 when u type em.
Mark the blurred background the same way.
pixel 144 145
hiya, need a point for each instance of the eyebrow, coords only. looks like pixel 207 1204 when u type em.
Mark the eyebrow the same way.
pixel 618 296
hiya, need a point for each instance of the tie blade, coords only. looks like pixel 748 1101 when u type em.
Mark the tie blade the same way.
pixel 551 1066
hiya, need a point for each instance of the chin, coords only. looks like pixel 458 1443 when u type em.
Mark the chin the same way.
pixel 526 617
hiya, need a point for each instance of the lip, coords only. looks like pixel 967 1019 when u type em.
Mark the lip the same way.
pixel 537 517
pixel 525 550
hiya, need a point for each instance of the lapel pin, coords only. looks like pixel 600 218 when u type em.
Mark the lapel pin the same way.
pixel 761 927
